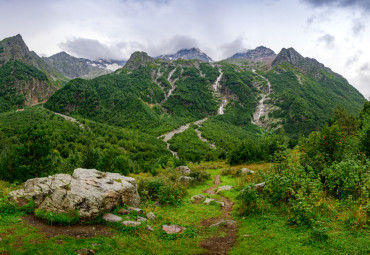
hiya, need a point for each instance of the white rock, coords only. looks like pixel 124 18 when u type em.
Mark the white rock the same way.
pixel 173 229
pixel 222 188
pixel 150 216
pixel 260 186
pixel 208 201
pixel 142 219
pixel 111 218
pixel 135 209
pixel 246 171
pixel 220 203
pixel 88 191
pixel 186 179
pixel 150 228
pixel 197 197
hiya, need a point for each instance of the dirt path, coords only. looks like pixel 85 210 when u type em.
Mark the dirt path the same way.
pixel 220 245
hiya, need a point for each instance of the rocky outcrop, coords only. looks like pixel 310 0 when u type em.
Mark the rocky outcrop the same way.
pixel 259 53
pixel 87 191
pixel 138 59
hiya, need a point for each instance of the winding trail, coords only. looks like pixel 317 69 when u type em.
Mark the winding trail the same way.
pixel 220 245
pixel 71 119
pixel 260 110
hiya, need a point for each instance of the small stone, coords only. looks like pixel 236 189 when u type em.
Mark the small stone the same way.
pixel 246 171
pixel 131 223
pixel 173 229
pixel 150 216
pixel 123 211
pixel 111 218
pixel 95 244
pixel 1 239
pixel 142 219
pixel 260 186
pixel 208 201
pixel 197 197
pixel 150 228
pixel 222 188
pixel 85 251
pixel 226 223
pixel 134 209
pixel 220 203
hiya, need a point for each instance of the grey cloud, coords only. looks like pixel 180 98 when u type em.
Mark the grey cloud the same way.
pixel 363 4
pixel 93 49
pixel 228 49
pixel 172 45
pixel 328 40
pixel 365 67
pixel 353 59
pixel 358 27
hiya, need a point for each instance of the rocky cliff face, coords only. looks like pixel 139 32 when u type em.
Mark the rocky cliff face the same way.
pixel 25 79
pixel 259 53
pixel 307 65
pixel 73 67
pixel 193 53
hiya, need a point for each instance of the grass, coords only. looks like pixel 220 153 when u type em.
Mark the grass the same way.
pixel 263 232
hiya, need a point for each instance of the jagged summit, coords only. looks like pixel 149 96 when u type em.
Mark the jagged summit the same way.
pixel 291 56
pixel 137 59
pixel 192 53
pixel 259 53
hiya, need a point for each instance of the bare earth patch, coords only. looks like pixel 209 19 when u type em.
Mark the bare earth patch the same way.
pixel 76 231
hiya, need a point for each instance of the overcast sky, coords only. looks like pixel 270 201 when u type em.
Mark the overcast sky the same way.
pixel 335 32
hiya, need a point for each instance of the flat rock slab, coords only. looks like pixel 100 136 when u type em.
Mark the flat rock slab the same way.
pixel 226 223
pixel 208 201
pixel 141 219
pixel 111 218
pixel 131 223
pixel 223 188
pixel 134 209
pixel 173 229
pixel 197 197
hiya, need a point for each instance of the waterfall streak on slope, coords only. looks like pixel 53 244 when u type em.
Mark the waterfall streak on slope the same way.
pixel 260 110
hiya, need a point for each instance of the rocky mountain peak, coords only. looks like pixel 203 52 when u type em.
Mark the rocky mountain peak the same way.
pixel 14 48
pixel 259 53
pixel 137 59
pixel 289 55
pixel 191 53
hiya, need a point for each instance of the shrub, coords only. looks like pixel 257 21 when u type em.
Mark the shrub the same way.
pixel 248 197
pixel 162 190
pixel 200 176
pixel 347 178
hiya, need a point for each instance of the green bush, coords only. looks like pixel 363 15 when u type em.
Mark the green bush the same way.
pixel 200 176
pixel 162 190
pixel 347 178
pixel 248 197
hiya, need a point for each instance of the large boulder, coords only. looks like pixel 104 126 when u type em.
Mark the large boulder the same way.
pixel 88 191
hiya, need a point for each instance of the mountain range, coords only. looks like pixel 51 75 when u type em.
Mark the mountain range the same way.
pixel 250 90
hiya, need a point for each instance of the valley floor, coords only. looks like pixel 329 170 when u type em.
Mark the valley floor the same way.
pixel 264 232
